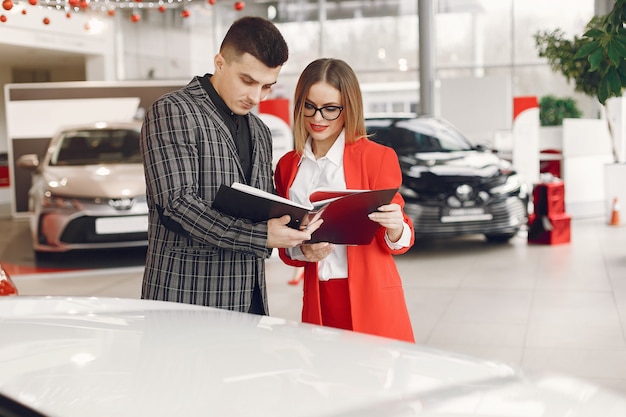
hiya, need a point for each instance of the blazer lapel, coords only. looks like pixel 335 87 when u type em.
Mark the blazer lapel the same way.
pixel 209 108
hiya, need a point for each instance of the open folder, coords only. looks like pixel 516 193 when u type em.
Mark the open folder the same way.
pixel 345 212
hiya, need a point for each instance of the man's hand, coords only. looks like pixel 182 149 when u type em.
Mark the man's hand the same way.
pixel 279 235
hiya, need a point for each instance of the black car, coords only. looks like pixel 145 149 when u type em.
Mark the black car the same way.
pixel 452 187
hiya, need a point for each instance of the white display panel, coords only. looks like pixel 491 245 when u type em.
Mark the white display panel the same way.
pixel 42 118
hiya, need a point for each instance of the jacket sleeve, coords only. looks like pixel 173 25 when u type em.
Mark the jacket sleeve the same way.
pixel 185 161
pixel 389 175
pixel 281 181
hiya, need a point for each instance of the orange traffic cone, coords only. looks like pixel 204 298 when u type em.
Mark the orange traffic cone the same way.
pixel 615 213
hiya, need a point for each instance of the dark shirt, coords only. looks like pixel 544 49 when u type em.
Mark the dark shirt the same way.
pixel 238 126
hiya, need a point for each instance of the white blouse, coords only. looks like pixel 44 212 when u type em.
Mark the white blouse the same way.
pixel 328 172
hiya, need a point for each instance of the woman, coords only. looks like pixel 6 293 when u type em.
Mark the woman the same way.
pixel 349 287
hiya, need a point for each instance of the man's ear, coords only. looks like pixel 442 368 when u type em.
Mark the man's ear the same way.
pixel 219 62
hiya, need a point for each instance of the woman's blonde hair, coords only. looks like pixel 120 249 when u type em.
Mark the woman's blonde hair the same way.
pixel 339 75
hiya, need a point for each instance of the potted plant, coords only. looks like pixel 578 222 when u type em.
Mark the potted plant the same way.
pixel 552 110
pixel 596 63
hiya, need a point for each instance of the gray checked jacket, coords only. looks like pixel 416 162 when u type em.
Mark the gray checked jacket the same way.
pixel 197 255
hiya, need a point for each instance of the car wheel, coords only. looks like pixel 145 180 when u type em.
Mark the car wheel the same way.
pixel 499 237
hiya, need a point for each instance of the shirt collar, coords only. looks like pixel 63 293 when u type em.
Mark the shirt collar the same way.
pixel 215 97
pixel 334 154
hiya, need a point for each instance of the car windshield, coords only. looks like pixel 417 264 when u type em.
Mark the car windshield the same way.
pixel 96 146
pixel 413 136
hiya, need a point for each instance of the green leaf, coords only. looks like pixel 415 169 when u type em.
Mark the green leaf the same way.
pixel 620 38
pixel 615 86
pixel 595 58
pixel 594 33
pixel 587 49
pixel 603 91
pixel 620 48
pixel 622 76
pixel 614 56
pixel 621 69
pixel 616 21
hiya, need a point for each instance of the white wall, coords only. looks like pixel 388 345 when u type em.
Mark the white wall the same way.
pixel 526 145
pixel 479 107
pixel 62 34
pixel 586 151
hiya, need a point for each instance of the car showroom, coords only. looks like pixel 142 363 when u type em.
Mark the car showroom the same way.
pixel 509 125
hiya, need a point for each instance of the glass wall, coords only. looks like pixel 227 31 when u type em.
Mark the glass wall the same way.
pixel 380 40
pixel 473 38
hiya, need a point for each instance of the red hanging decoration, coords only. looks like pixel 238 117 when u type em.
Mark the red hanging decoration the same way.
pixel 87 26
pixel 7 4
pixel 68 15
pixel 185 13
pixel 111 12
pixel 239 5
pixel 162 8
pixel 73 3
pixel 135 18
pixel 46 21
pixel 3 18
pixel 211 2
pixel 33 2
pixel 24 11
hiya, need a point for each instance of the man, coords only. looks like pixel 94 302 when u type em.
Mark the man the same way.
pixel 195 139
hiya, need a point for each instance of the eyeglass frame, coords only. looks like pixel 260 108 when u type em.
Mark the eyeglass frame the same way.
pixel 321 110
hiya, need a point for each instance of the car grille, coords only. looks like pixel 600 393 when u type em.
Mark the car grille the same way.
pixel 83 230
pixel 508 216
pixel 438 187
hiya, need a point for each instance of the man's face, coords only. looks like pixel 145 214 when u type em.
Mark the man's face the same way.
pixel 244 82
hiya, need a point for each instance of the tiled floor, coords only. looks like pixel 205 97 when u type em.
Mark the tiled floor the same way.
pixel 559 308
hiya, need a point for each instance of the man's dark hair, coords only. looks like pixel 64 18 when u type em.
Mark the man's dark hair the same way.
pixel 258 37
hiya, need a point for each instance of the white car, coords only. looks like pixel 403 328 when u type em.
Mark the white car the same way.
pixel 89 190
pixel 78 357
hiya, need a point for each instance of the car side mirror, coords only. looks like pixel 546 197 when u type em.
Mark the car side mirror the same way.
pixel 29 161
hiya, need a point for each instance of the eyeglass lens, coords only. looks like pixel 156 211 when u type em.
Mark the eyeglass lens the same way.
pixel 327 112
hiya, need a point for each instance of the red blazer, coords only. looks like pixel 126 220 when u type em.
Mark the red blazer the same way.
pixel 376 293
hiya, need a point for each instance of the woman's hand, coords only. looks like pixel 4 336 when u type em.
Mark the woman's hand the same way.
pixel 390 217
pixel 315 252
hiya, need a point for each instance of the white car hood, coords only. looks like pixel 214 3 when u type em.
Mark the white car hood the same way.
pixel 110 357
pixel 105 181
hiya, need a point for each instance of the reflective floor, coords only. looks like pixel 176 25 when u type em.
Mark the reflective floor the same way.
pixel 548 308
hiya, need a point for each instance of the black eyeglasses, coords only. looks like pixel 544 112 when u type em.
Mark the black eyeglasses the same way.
pixel 328 112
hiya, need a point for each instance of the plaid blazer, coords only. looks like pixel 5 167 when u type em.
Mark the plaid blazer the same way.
pixel 197 255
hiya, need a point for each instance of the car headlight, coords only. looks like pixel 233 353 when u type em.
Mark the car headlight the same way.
pixel 407 192
pixel 51 201
pixel 416 171
pixel 512 184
